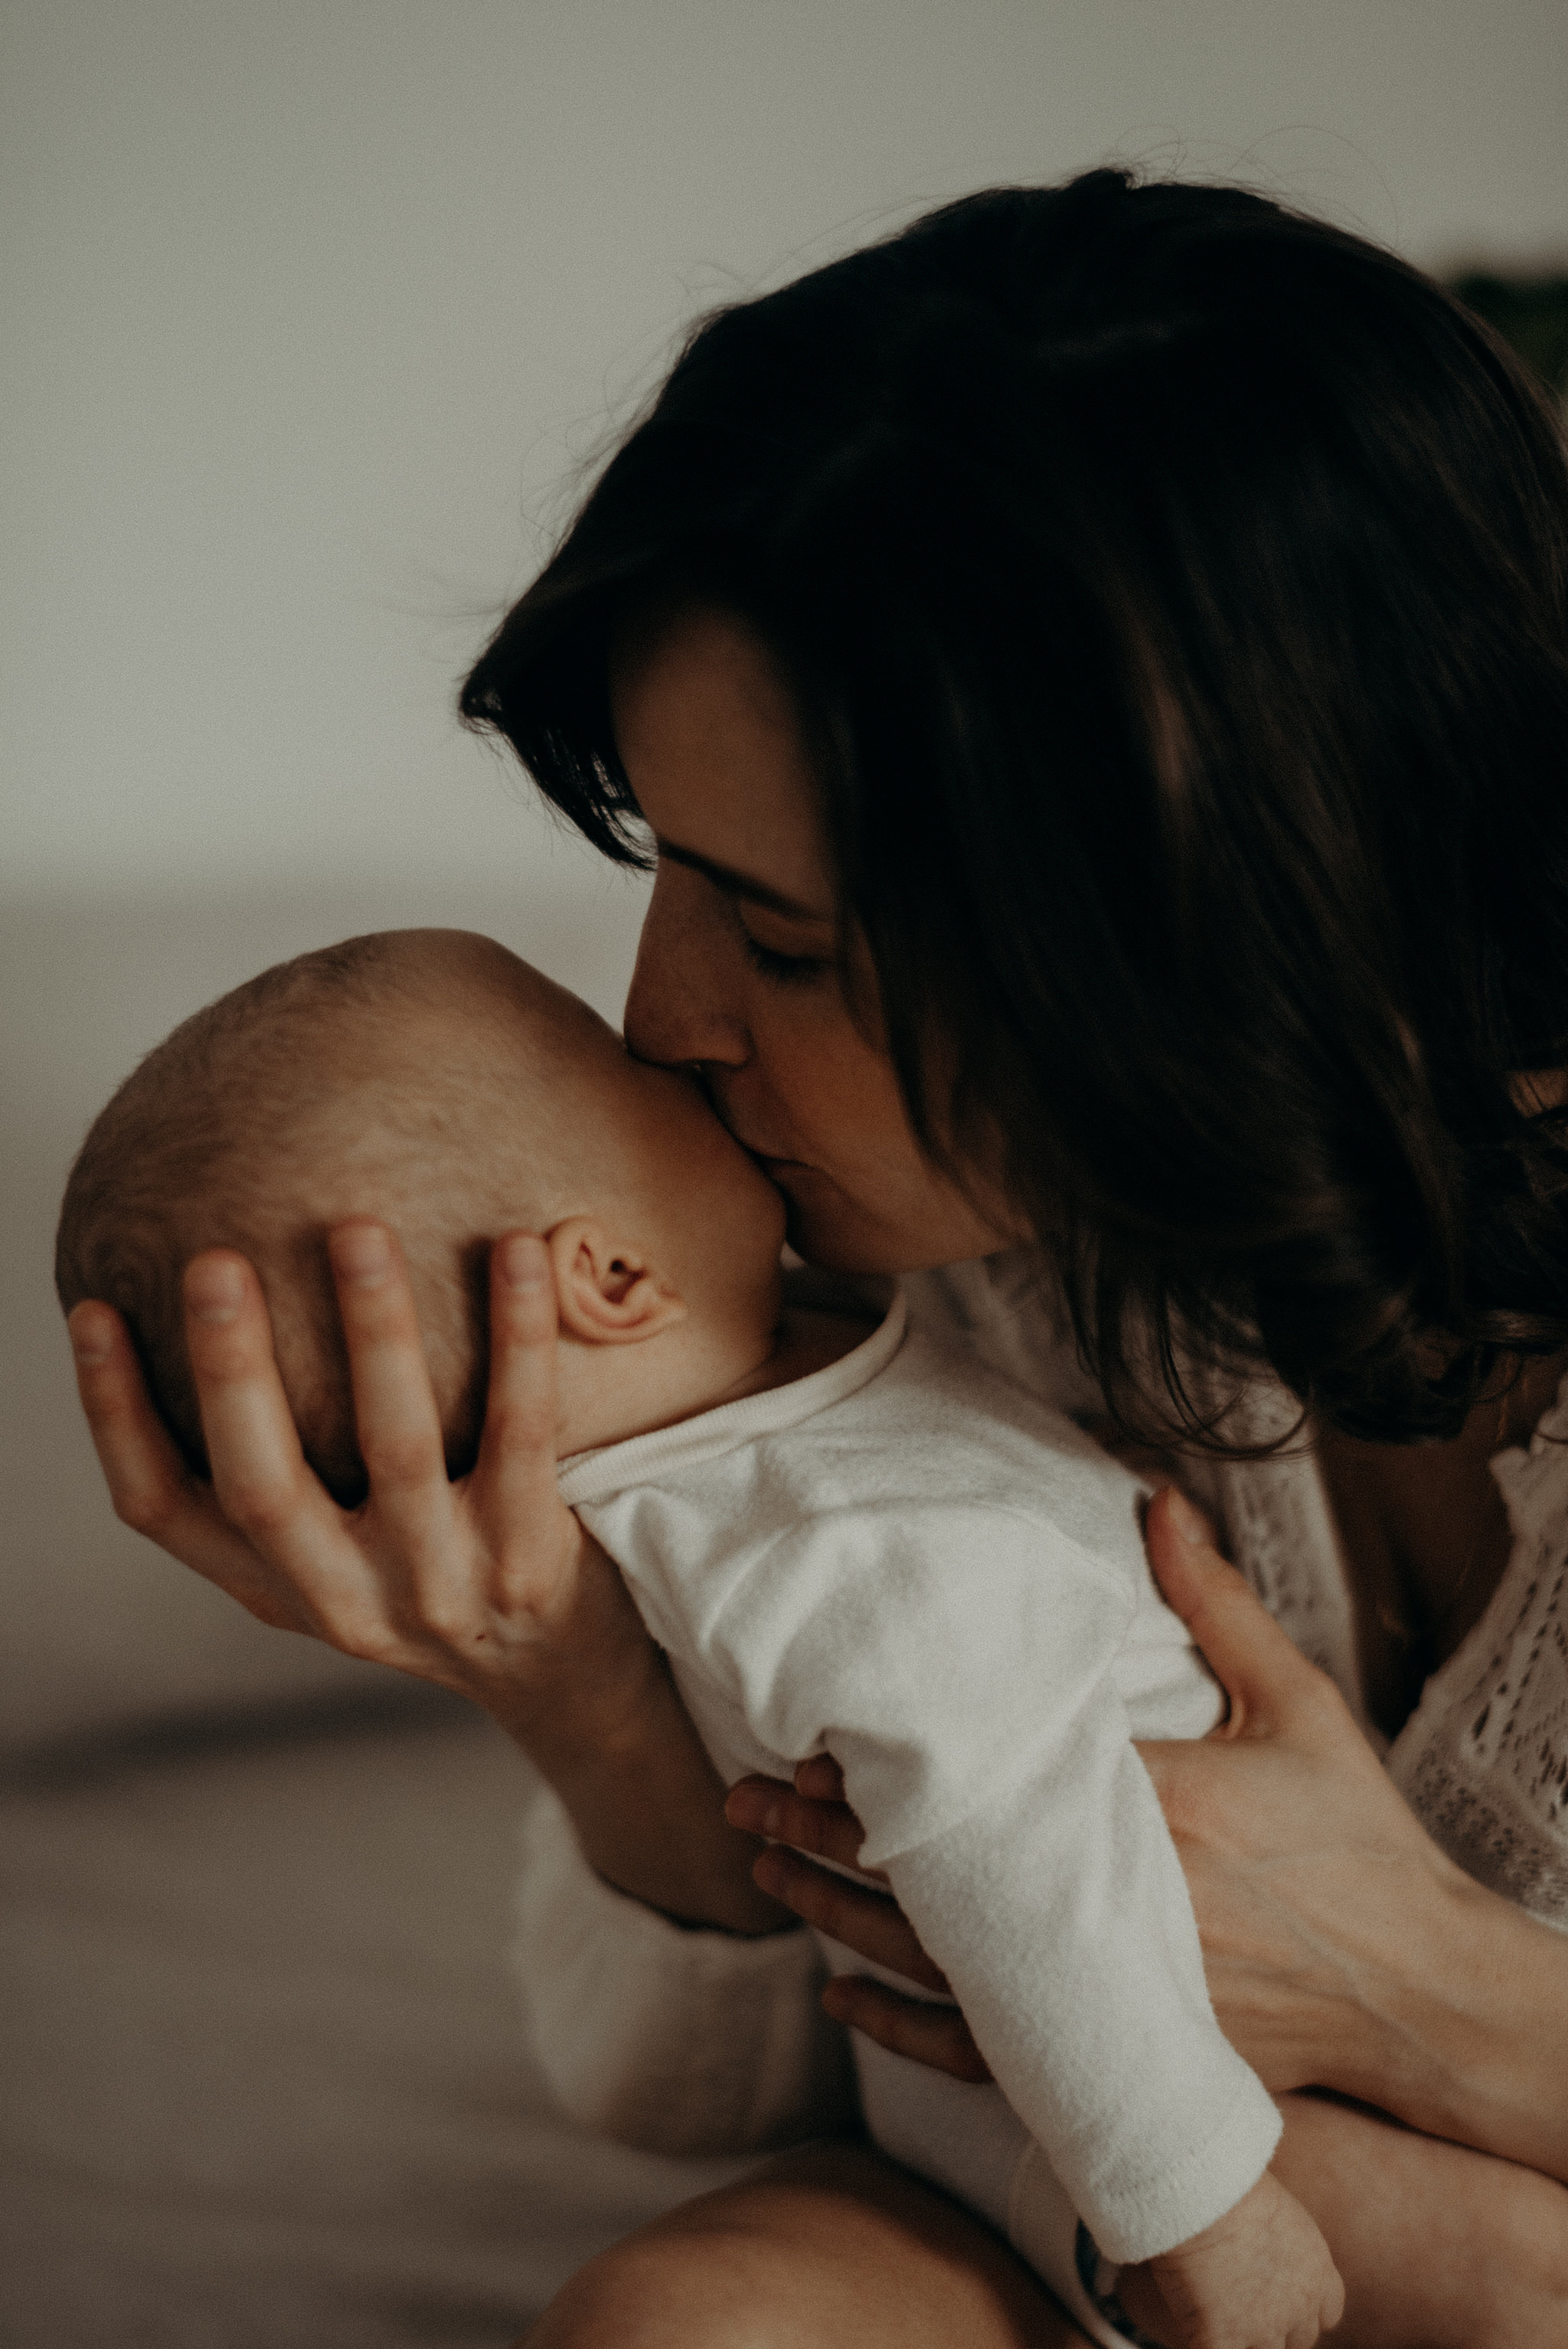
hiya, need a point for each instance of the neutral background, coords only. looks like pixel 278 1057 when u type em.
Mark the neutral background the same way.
pixel 315 312
pixel 316 318
pixel 316 315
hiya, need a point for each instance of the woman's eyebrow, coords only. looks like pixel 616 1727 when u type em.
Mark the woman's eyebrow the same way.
pixel 740 885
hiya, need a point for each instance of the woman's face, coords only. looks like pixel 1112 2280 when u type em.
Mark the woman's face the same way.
pixel 737 971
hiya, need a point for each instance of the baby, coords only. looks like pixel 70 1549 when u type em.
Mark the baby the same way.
pixel 845 1543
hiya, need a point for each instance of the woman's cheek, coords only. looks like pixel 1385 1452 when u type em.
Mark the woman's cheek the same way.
pixel 841 1094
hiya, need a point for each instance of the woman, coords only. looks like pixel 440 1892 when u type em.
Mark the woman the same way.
pixel 1095 670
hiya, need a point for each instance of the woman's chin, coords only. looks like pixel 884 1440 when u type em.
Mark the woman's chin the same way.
pixel 832 1237
pixel 834 1232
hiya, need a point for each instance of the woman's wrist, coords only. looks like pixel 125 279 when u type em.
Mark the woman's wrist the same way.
pixel 647 1807
pixel 599 1716
pixel 1469 2039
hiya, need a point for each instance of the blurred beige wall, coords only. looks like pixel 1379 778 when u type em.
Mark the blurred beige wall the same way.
pixel 311 308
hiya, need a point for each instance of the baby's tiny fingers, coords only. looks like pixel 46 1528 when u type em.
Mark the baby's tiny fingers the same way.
pixel 937 2037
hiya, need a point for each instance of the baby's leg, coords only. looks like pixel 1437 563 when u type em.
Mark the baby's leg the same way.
pixel 1439 2246
pixel 833 2248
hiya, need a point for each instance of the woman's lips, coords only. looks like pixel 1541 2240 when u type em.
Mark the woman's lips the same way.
pixel 782 1172
pixel 770 1161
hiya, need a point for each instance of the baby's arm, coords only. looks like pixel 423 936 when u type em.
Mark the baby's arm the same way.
pixel 1435 2241
pixel 1260 2278
pixel 957 1663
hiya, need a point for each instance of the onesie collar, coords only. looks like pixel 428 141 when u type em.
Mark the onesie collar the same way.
pixel 643 1459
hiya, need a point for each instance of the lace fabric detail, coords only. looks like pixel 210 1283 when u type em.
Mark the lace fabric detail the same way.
pixel 1280 1531
pixel 1484 1760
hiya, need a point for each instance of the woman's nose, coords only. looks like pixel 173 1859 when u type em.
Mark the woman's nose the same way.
pixel 676 1009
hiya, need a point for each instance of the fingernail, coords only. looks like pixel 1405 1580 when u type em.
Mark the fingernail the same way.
pixel 1186 1518
pixel 770 1873
pixel 92 1336
pixel 522 1261
pixel 750 1808
pixel 360 1253
pixel 214 1291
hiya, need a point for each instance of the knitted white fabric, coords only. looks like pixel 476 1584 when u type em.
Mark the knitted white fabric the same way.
pixel 1484 1760
pixel 1483 1763
pixel 930 1573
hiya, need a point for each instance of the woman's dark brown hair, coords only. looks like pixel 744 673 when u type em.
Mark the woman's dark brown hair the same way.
pixel 1176 594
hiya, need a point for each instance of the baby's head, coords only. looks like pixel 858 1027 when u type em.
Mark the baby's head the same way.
pixel 432 1080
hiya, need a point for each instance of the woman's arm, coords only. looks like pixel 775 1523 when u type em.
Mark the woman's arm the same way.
pixel 673 2041
pixel 489 1586
pixel 1343 1950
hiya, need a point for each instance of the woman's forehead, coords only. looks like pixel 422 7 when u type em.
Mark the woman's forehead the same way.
pixel 710 744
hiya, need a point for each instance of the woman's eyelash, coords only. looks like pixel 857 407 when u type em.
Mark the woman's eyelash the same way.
pixel 784 971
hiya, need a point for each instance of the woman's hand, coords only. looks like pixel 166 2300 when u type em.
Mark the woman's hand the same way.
pixel 1343 1950
pixel 1285 1824
pixel 1308 1872
pixel 488 1586
pixel 812 1816
pixel 470 1585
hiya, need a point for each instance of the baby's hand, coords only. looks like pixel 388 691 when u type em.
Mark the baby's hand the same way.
pixel 1259 2278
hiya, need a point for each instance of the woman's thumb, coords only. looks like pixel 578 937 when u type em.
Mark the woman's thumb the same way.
pixel 1254 1661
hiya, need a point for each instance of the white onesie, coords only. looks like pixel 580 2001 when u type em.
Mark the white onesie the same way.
pixel 910 1563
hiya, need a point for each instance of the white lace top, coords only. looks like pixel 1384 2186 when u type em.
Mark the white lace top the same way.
pixel 1483 1761
pixel 704 2042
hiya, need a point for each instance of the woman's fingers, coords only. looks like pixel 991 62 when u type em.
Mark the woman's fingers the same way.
pixel 148 1480
pixel 533 1534
pixel 1256 1663
pixel 252 1443
pixel 819 1779
pixel 870 1923
pixel 150 1485
pixel 937 2037
pixel 766 1806
pixel 263 1486
pixel 394 1414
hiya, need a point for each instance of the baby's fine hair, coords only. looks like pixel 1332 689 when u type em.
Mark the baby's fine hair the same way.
pixel 321 1089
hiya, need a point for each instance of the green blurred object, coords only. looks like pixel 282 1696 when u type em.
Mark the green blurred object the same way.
pixel 1530 312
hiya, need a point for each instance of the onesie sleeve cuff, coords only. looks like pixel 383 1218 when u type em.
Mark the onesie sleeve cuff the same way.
pixel 675 2041
pixel 1135 2218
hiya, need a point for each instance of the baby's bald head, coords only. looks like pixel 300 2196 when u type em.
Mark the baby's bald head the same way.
pixel 424 1077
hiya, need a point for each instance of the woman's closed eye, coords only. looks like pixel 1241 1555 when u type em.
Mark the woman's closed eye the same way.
pixel 782 969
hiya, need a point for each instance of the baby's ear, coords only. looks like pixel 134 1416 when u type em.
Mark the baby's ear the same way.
pixel 609 1294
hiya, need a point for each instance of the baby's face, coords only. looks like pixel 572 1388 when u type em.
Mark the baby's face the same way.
pixel 572 1125
pixel 713 1219
pixel 432 1080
